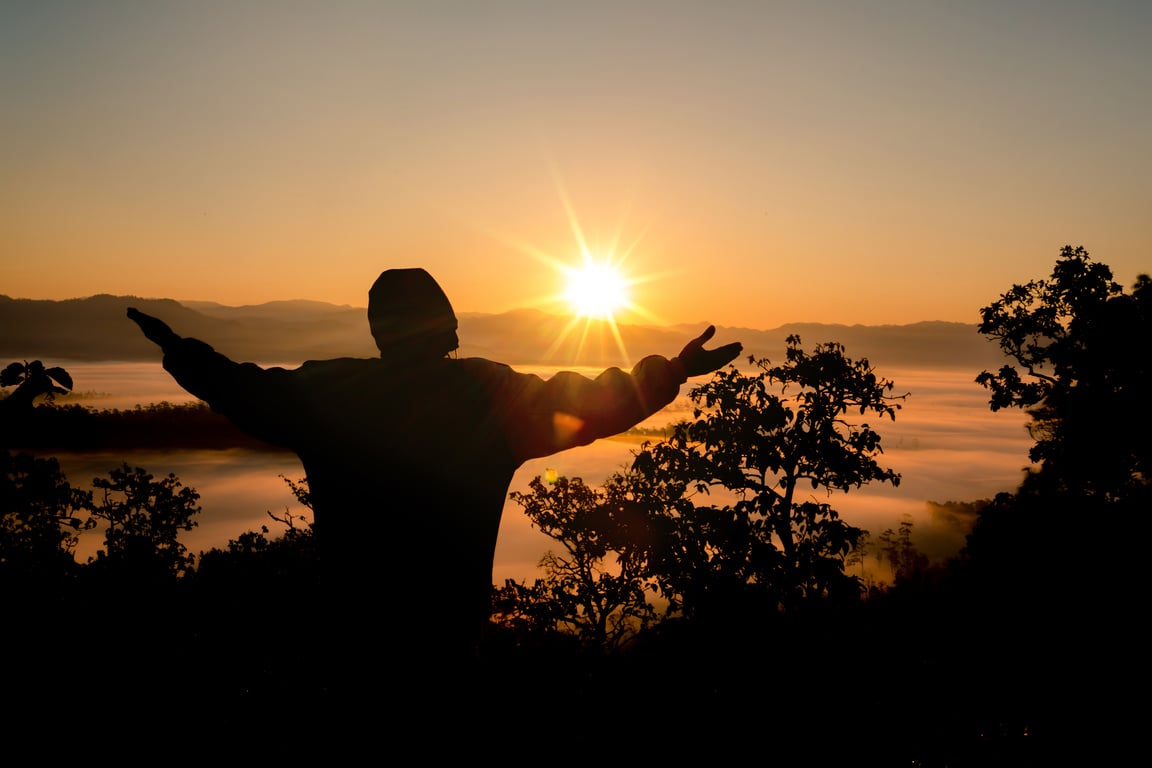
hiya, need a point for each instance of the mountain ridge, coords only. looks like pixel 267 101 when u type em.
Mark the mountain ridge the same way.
pixel 96 328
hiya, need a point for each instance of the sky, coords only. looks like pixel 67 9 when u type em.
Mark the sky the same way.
pixel 742 163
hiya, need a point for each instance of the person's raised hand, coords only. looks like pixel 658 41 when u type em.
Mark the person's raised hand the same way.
pixel 155 330
pixel 697 360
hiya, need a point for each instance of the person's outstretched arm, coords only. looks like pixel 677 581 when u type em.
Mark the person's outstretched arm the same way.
pixel 250 396
pixel 698 361
pixel 569 409
pixel 197 367
pixel 154 329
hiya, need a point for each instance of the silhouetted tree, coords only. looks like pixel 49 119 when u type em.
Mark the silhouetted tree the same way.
pixel 144 517
pixel 762 548
pixel 257 608
pixel 1082 352
pixel 897 548
pixel 596 588
pixel 756 441
pixel 1063 598
pixel 858 555
pixel 301 491
pixel 40 521
pixel 255 556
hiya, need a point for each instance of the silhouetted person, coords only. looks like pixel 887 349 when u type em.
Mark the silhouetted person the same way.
pixel 409 457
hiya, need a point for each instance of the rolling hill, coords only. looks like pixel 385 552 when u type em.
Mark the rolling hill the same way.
pixel 289 332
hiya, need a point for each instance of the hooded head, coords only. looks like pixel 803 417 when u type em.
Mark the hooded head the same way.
pixel 410 315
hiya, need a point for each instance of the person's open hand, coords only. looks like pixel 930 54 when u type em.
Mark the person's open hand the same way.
pixel 697 360
pixel 155 330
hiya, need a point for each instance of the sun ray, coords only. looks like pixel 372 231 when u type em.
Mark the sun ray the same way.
pixel 603 274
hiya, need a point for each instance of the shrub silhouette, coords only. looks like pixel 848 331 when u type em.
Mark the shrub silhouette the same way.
pixel 40 519
pixel 32 381
pixel 143 518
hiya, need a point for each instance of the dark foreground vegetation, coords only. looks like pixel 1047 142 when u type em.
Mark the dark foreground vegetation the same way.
pixel 697 606
pixel 156 426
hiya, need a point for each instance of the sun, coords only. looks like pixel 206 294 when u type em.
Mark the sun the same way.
pixel 593 290
pixel 597 290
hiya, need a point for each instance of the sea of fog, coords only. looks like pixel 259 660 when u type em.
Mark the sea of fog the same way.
pixel 945 443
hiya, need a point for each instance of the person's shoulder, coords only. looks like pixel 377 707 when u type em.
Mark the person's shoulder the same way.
pixel 481 364
pixel 483 369
pixel 338 366
pixel 341 361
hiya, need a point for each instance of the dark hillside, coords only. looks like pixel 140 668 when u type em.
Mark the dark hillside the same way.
pixel 96 328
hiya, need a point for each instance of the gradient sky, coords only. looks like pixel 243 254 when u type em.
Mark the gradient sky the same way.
pixel 755 162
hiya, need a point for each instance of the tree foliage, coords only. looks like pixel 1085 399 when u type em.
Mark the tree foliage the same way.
pixel 896 547
pixel 719 521
pixel 144 517
pixel 596 588
pixel 287 560
pixel 33 380
pixel 1081 352
pixel 40 520
pixel 1082 355
pixel 758 443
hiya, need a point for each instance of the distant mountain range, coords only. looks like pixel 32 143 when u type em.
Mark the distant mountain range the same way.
pixel 289 332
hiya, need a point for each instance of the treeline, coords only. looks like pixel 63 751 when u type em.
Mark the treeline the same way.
pixel 705 597
pixel 68 428
pixel 94 328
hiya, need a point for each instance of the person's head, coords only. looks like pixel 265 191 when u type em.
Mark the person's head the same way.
pixel 410 315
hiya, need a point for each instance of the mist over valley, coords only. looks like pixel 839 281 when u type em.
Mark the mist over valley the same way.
pixel 946 443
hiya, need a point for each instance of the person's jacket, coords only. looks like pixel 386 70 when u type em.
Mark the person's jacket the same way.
pixel 409 463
